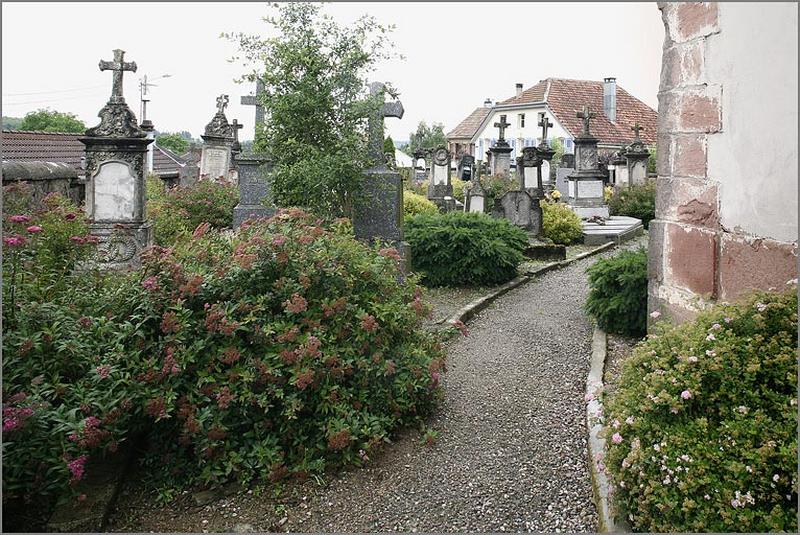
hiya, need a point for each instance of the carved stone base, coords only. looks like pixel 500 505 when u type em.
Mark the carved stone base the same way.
pixel 121 244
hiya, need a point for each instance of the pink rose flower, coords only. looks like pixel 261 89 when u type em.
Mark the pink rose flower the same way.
pixel 686 394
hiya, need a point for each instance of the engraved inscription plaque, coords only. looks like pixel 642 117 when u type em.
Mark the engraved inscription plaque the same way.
pixel 113 192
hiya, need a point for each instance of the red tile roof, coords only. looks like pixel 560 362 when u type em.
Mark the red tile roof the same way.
pixel 22 146
pixel 565 97
pixel 470 125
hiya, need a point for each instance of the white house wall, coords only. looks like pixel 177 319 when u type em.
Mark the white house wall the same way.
pixel 514 134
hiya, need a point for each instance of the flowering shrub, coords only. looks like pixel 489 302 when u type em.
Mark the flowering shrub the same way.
pixel 414 204
pixel 276 351
pixel 177 211
pixel 559 222
pixel 618 292
pixel 463 249
pixel 704 423
pixel 637 200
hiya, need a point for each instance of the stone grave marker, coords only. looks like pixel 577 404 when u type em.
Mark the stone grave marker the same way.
pixel 585 186
pixel 115 167
pixel 501 152
pixel 636 155
pixel 215 160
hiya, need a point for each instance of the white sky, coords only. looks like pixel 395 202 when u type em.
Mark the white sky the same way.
pixel 456 55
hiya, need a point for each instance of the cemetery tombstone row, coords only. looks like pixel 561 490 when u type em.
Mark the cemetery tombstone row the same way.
pixel 585 184
pixel 218 139
pixel 380 215
pixel 115 167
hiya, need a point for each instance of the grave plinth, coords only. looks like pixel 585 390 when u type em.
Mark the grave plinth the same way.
pixel 636 155
pixel 218 139
pixel 501 160
pixel 116 151
pixel 585 185
pixel 255 192
pixel 440 187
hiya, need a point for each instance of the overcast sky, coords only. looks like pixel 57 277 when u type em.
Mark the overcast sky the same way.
pixel 456 55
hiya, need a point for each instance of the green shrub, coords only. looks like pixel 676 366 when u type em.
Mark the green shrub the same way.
pixel 618 293
pixel 458 188
pixel 637 200
pixel 704 423
pixel 464 249
pixel 495 188
pixel 176 212
pixel 560 223
pixel 277 351
pixel 414 204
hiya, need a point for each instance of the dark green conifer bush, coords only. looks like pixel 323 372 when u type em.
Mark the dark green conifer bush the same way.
pixel 618 293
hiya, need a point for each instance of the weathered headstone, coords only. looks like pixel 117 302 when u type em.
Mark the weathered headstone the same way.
pixel 215 161
pixel 619 165
pixel 585 194
pixel 529 169
pixel 566 168
pixel 115 168
pixel 466 167
pixel 475 198
pixel 381 214
pixel 501 152
pixel 522 208
pixel 255 195
pixel 545 154
pixel 636 155
pixel 440 187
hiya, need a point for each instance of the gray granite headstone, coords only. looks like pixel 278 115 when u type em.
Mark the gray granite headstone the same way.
pixel 522 209
pixel 255 195
pixel 215 160
pixel 115 169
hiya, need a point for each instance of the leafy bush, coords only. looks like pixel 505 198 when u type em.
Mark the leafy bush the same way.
pixel 178 211
pixel 618 293
pixel 458 188
pixel 637 200
pixel 495 188
pixel 464 249
pixel 704 423
pixel 279 350
pixel 414 204
pixel 560 223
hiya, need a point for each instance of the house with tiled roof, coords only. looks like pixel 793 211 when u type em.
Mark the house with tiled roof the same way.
pixel 65 147
pixel 616 111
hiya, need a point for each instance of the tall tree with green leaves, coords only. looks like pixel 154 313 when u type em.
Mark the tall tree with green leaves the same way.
pixel 426 137
pixel 173 141
pixel 46 120
pixel 314 73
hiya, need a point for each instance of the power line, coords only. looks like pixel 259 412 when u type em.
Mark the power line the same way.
pixel 53 91
pixel 93 95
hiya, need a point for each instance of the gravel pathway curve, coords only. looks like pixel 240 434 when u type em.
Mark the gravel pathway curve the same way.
pixel 511 455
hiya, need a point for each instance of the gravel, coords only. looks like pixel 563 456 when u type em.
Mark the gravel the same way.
pixel 511 454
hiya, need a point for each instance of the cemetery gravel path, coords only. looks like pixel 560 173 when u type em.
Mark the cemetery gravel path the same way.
pixel 511 453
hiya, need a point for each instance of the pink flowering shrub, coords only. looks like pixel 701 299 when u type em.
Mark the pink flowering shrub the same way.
pixel 705 427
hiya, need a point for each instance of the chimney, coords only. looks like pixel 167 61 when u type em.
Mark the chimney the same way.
pixel 519 89
pixel 487 103
pixel 610 98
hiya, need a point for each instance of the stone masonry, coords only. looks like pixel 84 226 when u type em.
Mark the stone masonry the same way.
pixel 695 258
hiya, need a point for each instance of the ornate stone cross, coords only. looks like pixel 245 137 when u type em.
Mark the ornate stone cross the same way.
pixel 236 127
pixel 388 109
pixel 502 125
pixel 585 115
pixel 118 66
pixel 222 103
pixel 636 129
pixel 255 100
pixel 545 124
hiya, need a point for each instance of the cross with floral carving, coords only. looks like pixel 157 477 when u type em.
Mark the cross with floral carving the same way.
pixel 118 66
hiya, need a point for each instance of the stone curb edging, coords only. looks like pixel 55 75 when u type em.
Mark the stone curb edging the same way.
pixel 469 310
pixel 596 444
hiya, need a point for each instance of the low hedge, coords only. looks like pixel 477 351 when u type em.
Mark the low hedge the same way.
pixel 703 426
pixel 414 203
pixel 464 249
pixel 637 200
pixel 560 223
pixel 618 293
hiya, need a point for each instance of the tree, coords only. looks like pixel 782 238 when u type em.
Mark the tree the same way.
pixel 426 137
pixel 558 146
pixel 314 77
pixel 46 120
pixel 388 145
pixel 11 123
pixel 173 141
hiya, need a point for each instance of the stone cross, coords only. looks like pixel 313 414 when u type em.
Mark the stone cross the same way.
pixel 236 127
pixel 585 115
pixel 222 103
pixel 636 129
pixel 118 66
pixel 502 125
pixel 388 109
pixel 545 124
pixel 255 100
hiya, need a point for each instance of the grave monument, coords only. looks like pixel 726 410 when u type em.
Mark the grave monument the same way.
pixel 380 213
pixel 636 155
pixel 215 160
pixel 115 168
pixel 585 184
pixel 501 152
pixel 440 187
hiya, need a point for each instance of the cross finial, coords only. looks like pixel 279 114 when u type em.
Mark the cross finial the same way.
pixel 545 123
pixel 118 66
pixel 585 115
pixel 636 128
pixel 502 125
pixel 222 103
pixel 236 127
pixel 387 109
pixel 255 100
